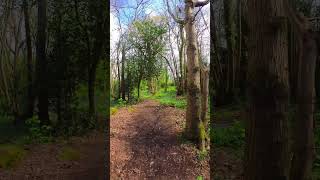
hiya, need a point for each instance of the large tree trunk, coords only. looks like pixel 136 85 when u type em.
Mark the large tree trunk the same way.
pixel 303 149
pixel 266 133
pixel 30 100
pixel 97 10
pixel 193 74
pixel 43 103
pixel 230 37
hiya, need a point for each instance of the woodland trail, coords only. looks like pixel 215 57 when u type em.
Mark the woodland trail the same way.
pixel 145 144
pixel 42 162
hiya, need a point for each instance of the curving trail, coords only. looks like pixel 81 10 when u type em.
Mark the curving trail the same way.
pixel 145 144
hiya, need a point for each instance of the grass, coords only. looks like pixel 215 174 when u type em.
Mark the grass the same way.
pixel 169 98
pixel 69 154
pixel 233 136
pixel 113 110
pixel 11 155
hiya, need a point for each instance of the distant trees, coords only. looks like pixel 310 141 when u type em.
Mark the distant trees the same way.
pixel 48 51
pixel 42 65
pixel 147 42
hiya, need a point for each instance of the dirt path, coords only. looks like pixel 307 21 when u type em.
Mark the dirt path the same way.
pixel 42 162
pixel 145 145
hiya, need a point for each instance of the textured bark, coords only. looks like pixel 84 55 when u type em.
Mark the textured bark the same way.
pixel 268 91
pixel 193 75
pixel 43 102
pixel 303 149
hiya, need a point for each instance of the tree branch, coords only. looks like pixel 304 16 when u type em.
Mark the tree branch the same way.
pixel 201 3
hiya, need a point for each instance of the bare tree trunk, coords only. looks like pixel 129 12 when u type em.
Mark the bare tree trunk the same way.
pixel 268 92
pixel 119 76
pixel 193 96
pixel 230 36
pixel 204 95
pixel 91 90
pixel 303 150
pixel 43 104
pixel 30 101
pixel 181 58
pixel 123 88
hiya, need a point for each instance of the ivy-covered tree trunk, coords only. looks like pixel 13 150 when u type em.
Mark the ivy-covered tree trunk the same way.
pixel 266 155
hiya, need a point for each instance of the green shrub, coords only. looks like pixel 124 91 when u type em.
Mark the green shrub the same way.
pixel 10 155
pixel 233 136
pixel 38 133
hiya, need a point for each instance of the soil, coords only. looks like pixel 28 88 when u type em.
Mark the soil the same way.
pixel 42 162
pixel 226 166
pixel 145 144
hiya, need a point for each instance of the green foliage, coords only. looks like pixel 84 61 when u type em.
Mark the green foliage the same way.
pixel 233 137
pixel 146 39
pixel 169 98
pixel 114 110
pixel 69 154
pixel 202 155
pixel 38 133
pixel 199 178
pixel 11 155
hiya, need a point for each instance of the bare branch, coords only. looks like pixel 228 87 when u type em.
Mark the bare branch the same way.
pixel 176 19
pixel 201 3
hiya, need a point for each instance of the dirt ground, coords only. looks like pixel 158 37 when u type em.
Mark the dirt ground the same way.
pixel 226 166
pixel 145 144
pixel 42 162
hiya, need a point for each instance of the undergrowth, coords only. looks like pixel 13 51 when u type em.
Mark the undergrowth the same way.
pixel 11 155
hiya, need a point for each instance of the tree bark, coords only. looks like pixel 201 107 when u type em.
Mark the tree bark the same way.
pixel 193 95
pixel 204 95
pixel 303 150
pixel 30 100
pixel 91 91
pixel 43 102
pixel 123 88
pixel 268 92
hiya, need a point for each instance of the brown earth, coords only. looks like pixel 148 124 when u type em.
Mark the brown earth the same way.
pixel 145 144
pixel 43 163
